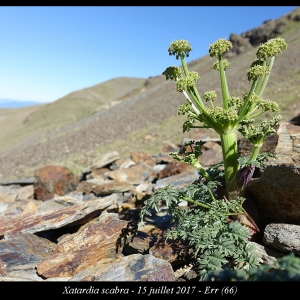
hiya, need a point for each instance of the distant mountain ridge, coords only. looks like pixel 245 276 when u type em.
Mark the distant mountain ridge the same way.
pixel 11 103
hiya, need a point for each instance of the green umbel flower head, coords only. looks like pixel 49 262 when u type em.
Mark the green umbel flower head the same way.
pixel 257 134
pixel 257 62
pixel 219 47
pixel 235 102
pixel 257 71
pixel 184 108
pixel 223 116
pixel 180 49
pixel 226 65
pixel 184 83
pixel 271 48
pixel 253 98
pixel 269 106
pixel 210 96
pixel 172 73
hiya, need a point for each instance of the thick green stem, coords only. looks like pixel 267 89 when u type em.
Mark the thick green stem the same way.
pixel 194 93
pixel 204 173
pixel 224 86
pixel 190 102
pixel 255 151
pixel 267 77
pixel 230 153
pixel 245 107
pixel 196 97
pixel 260 81
pixel 184 66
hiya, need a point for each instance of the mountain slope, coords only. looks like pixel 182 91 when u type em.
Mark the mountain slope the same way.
pixel 29 124
pixel 136 116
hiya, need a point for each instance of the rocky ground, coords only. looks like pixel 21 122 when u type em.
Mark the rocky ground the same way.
pixel 59 227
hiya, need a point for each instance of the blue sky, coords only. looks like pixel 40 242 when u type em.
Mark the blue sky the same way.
pixel 48 52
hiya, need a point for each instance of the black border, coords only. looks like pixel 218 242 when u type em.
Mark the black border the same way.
pixel 172 289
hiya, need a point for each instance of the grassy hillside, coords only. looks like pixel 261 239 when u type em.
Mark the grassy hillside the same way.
pixel 131 114
pixel 30 124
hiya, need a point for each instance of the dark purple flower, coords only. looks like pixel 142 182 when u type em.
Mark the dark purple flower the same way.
pixel 241 179
pixel 236 187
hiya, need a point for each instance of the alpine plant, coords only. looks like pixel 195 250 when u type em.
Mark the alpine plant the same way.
pixel 215 223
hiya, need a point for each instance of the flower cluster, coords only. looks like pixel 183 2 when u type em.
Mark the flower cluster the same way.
pixel 185 83
pixel 180 49
pixel 223 116
pixel 184 108
pixel 257 134
pixel 226 65
pixel 235 102
pixel 269 106
pixel 257 71
pixel 219 47
pixel 271 48
pixel 172 73
pixel 210 96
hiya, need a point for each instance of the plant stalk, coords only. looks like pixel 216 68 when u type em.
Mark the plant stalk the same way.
pixel 230 153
